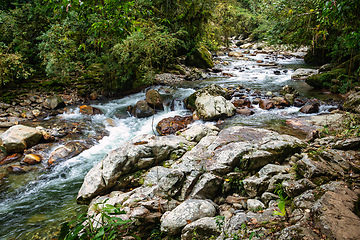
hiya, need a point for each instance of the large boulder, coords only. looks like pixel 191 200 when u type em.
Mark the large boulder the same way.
pixel 19 137
pixel 142 110
pixel 154 99
pixel 352 103
pixel 171 125
pixel 187 212
pixel 213 90
pixel 243 147
pixel 142 152
pixel 200 57
pixel 70 150
pixel 303 73
pixel 209 107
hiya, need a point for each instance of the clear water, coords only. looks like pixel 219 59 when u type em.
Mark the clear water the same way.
pixel 36 204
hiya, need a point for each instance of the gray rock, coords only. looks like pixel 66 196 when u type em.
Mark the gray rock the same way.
pixel 243 147
pixel 19 137
pixel 213 90
pixel 210 107
pixel 208 187
pixel 168 180
pixel 197 132
pixel 205 228
pixel 294 188
pixel 142 152
pixel 303 73
pixel 309 168
pixel 266 179
pixel 352 102
pixel 142 110
pixel 255 205
pixel 297 232
pixel 70 150
pixel 190 210
pixel 266 197
pixel 54 103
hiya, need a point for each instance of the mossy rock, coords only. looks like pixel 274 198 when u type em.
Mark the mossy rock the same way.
pixel 318 56
pixel 324 80
pixel 200 57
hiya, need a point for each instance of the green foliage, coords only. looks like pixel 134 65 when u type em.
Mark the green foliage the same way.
pixel 133 61
pixel 12 67
pixel 108 226
pixel 3 149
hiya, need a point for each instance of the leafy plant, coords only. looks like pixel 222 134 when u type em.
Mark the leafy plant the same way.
pixel 103 225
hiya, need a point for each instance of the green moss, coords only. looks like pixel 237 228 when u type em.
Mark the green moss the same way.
pixel 200 57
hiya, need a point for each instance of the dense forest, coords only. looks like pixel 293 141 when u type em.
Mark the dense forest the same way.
pixel 121 44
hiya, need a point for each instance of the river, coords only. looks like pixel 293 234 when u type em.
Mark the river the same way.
pixel 36 204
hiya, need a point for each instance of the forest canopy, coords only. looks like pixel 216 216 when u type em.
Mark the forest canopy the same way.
pixel 124 43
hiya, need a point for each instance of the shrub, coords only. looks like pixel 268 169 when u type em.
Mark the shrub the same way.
pixel 133 61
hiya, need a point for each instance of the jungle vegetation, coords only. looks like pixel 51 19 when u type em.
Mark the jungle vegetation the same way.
pixel 121 44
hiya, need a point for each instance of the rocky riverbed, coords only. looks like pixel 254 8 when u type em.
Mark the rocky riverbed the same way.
pixel 200 176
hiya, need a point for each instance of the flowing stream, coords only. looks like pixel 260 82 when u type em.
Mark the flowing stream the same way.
pixel 36 204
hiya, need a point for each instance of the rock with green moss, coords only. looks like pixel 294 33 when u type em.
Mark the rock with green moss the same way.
pixel 325 79
pixel 200 57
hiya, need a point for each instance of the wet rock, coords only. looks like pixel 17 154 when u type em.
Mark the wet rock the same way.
pixel 17 169
pixel 352 102
pixel 31 159
pixel 94 95
pixel 12 158
pixel 280 102
pixel 303 73
pixel 289 90
pixel 238 103
pixel 245 111
pixel 19 137
pixel 70 150
pixel 154 99
pixel 206 227
pixel 311 106
pixel 188 211
pixel 255 205
pixel 46 134
pixel 235 54
pixel 89 110
pixel 54 103
pixel 171 125
pixel 142 152
pixel 142 110
pixel 266 104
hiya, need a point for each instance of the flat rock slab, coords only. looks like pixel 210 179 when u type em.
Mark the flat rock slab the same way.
pixel 243 147
pixel 309 124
